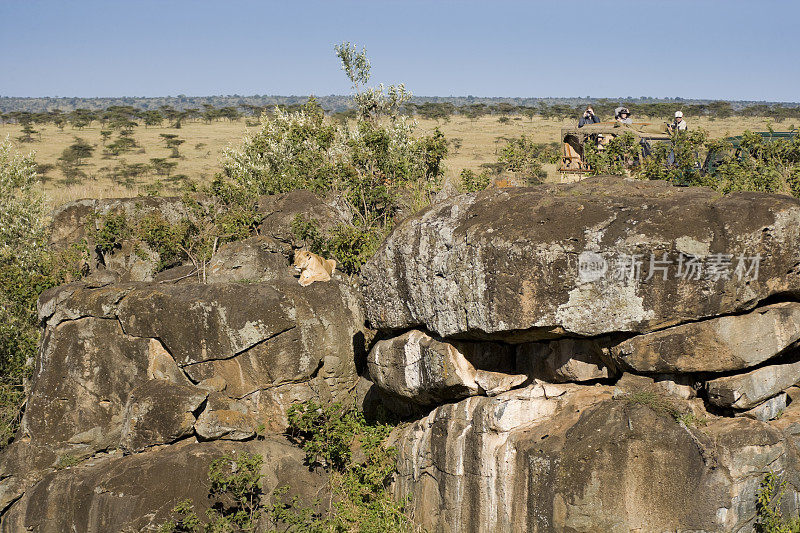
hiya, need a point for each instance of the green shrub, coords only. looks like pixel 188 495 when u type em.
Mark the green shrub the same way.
pixel 24 273
pixel 769 518
pixel 235 492
pixel 360 496
pixel 615 157
pixel 375 164
pixel 471 182
pixel 523 156
pixel 756 164
pixel 350 244
pixel 113 230
pixel 359 501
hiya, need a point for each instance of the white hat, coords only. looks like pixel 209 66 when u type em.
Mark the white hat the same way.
pixel 678 114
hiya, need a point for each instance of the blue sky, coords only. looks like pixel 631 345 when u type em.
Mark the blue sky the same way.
pixel 727 49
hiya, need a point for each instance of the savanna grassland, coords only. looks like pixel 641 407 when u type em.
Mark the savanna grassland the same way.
pixel 472 142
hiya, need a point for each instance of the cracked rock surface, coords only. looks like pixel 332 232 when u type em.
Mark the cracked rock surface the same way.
pixel 539 394
pixel 132 366
pixel 505 262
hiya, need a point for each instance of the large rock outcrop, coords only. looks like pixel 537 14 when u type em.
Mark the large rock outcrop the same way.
pixel 576 259
pixel 718 344
pixel 657 327
pixel 570 458
pixel 138 492
pixel 133 366
pixel 610 355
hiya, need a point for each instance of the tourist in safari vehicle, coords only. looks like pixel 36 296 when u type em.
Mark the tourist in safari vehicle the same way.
pixel 678 124
pixel 622 115
pixel 588 117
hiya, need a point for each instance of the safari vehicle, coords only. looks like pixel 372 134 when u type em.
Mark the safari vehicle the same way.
pixel 732 147
pixel 573 164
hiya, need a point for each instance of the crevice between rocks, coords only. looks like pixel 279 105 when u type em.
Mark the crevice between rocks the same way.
pixel 242 351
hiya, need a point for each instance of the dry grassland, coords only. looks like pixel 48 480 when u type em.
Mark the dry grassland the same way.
pixel 471 143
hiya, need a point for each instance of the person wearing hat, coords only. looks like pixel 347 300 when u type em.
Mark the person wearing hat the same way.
pixel 678 124
pixel 622 115
pixel 588 117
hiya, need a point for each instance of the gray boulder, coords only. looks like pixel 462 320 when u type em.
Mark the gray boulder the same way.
pixel 225 418
pixel 541 262
pixel 769 410
pixel 746 390
pixel 119 363
pixel 565 360
pixel 428 371
pixel 715 345
pixel 159 412
pixel 256 259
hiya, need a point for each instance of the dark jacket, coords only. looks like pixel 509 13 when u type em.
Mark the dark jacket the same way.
pixel 591 120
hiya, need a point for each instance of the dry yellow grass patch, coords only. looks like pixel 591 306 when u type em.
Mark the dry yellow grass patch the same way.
pixel 472 143
pixel 199 155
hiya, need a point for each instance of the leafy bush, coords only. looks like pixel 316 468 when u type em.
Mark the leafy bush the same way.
pixel 755 164
pixel 360 496
pixel 375 164
pixel 350 244
pixel 769 518
pixel 330 435
pixel 523 156
pixel 759 164
pixel 614 157
pixel 471 182
pixel 236 494
pixel 24 274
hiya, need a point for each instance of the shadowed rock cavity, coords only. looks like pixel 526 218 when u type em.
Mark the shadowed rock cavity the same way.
pixel 428 371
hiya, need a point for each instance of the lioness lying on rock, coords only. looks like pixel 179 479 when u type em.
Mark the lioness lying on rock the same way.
pixel 313 267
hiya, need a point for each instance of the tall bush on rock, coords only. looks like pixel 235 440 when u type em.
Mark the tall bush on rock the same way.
pixel 24 273
pixel 375 164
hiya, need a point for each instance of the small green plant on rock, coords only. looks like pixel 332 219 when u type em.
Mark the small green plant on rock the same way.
pixel 360 500
pixel 664 406
pixel 236 492
pixel 769 518
pixel 66 461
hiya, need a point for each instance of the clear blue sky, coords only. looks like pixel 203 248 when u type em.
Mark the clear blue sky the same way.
pixel 727 49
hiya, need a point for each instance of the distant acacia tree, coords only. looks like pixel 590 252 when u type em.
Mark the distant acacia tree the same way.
pixel 172 141
pixel 152 118
pixel 73 157
pixel 58 118
pixel 27 132
pixel 161 166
